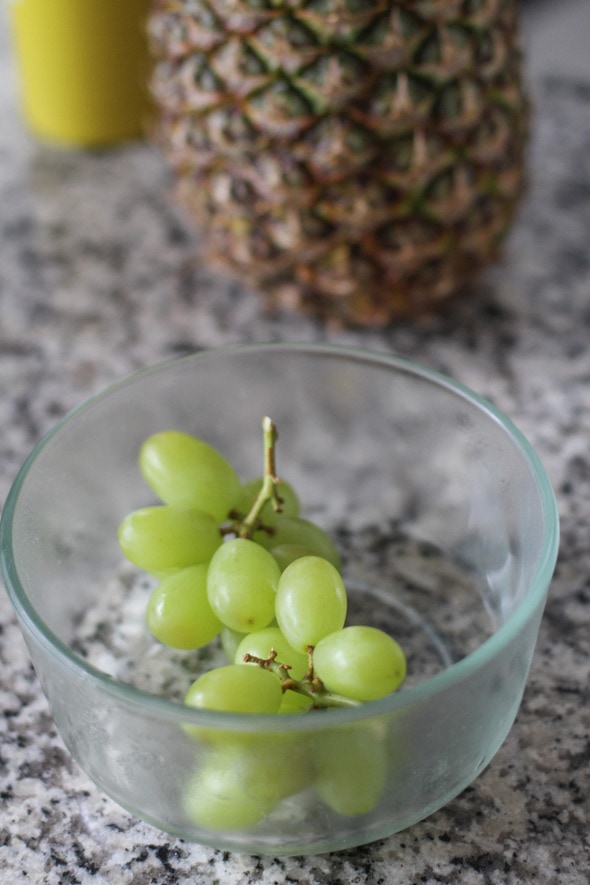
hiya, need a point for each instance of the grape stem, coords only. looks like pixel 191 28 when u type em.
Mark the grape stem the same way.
pixel 310 686
pixel 270 481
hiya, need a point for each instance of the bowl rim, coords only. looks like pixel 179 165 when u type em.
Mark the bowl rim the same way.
pixel 167 709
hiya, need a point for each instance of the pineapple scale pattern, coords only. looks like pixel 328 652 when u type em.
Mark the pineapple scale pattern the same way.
pixel 359 159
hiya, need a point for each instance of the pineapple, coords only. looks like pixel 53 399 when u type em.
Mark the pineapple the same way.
pixel 358 159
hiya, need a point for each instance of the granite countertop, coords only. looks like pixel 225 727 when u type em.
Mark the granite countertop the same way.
pixel 98 278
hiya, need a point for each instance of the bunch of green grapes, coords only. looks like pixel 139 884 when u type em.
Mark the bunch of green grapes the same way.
pixel 237 564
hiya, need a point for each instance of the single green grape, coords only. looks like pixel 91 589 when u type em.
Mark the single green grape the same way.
pixel 261 642
pixel 311 601
pixel 164 538
pixel 351 767
pixel 216 800
pixel 241 585
pixel 295 702
pixel 246 777
pixel 178 613
pixel 295 530
pixel 276 767
pixel 269 768
pixel 268 515
pixel 285 554
pixel 230 639
pixel 188 472
pixel 362 663
pixel 236 689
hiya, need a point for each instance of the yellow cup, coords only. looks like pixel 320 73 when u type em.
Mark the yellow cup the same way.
pixel 83 67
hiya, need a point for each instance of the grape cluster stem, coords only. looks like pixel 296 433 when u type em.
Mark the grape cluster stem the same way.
pixel 310 686
pixel 269 491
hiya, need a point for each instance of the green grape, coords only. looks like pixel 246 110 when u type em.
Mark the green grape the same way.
pixel 351 768
pixel 275 767
pixel 188 472
pixel 285 554
pixel 270 767
pixel 294 530
pixel 362 663
pixel 311 601
pixel 295 702
pixel 269 516
pixel 236 689
pixel 163 538
pixel 230 639
pixel 241 584
pixel 260 644
pixel 245 778
pixel 217 801
pixel 178 612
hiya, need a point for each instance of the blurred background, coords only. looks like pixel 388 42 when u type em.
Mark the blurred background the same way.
pixel 556 35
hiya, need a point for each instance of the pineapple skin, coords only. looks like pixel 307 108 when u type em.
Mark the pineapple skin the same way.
pixel 360 160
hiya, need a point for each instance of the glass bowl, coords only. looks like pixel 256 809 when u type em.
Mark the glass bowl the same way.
pixel 447 528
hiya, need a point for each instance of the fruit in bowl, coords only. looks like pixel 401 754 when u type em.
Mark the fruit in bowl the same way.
pixel 211 540
pixel 415 495
pixel 240 584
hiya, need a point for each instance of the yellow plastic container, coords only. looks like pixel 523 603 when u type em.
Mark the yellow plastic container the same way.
pixel 83 66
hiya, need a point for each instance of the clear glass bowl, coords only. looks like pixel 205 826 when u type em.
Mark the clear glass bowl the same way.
pixel 447 526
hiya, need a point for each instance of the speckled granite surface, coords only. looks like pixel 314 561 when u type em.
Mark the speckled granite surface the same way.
pixel 97 279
